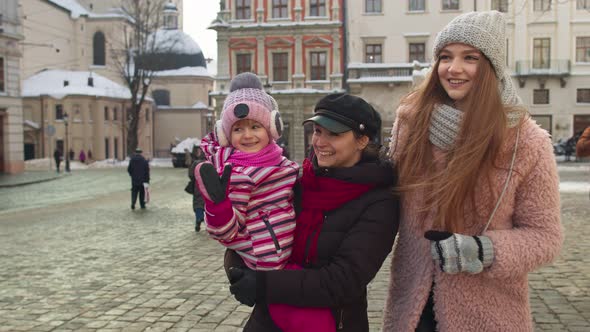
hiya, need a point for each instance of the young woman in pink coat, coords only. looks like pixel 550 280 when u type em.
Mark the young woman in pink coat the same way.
pixel 479 188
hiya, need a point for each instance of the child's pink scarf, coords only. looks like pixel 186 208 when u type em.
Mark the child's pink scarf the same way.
pixel 270 155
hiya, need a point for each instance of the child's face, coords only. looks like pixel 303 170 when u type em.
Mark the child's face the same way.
pixel 249 136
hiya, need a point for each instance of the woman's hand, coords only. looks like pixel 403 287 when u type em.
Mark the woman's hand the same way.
pixel 243 285
pixel 455 253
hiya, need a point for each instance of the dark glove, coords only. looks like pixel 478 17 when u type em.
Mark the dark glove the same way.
pixel 456 253
pixel 210 184
pixel 243 285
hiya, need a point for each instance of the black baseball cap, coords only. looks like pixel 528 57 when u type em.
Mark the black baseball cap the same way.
pixel 341 112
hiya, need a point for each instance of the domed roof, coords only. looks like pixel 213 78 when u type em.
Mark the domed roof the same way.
pixel 175 49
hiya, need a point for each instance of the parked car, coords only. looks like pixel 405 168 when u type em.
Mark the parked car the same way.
pixel 566 146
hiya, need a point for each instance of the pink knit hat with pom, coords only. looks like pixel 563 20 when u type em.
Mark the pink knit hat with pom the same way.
pixel 247 100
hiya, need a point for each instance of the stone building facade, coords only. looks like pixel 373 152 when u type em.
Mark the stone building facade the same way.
pixel 79 37
pixel 548 45
pixel 296 48
pixel 11 117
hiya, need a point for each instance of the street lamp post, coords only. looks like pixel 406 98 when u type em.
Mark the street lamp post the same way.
pixel 67 151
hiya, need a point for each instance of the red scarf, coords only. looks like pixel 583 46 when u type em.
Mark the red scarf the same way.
pixel 320 194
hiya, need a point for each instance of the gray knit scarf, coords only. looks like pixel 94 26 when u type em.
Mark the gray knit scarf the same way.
pixel 445 124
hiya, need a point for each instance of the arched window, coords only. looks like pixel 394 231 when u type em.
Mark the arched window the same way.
pixel 162 97
pixel 98 45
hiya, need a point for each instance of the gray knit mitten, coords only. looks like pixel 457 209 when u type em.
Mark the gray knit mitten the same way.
pixel 456 253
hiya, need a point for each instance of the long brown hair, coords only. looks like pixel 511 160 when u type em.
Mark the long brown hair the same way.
pixel 476 147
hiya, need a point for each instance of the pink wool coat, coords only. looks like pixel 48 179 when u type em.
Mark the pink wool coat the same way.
pixel 525 231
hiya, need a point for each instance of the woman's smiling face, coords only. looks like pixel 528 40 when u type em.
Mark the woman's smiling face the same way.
pixel 337 150
pixel 457 69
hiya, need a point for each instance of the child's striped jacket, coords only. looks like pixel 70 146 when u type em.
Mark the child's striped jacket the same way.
pixel 262 226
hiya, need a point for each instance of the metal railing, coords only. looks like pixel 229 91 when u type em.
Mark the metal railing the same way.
pixel 547 68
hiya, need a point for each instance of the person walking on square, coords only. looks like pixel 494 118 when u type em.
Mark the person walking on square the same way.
pixel 198 202
pixel 479 189
pixel 57 158
pixel 139 170
pixel 82 157
pixel 583 144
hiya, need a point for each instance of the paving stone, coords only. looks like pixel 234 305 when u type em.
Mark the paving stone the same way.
pixel 81 260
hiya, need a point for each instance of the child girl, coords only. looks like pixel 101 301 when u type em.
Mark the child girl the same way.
pixel 249 207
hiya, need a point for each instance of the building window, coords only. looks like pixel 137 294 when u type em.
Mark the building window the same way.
pixel 500 5
pixel 583 96
pixel 582 49
pixel 161 97
pixel 417 5
pixel 244 63
pixel 280 9
pixel 106 113
pixel 2 79
pixel 373 53
pixel 318 66
pixel 106 148
pixel 59 112
pixel 545 121
pixel 280 67
pixel 450 4
pixel 541 53
pixel 147 115
pixel 98 49
pixel 115 114
pixel 317 8
pixel 372 6
pixel 541 96
pixel 243 10
pixel 541 5
pixel 417 52
pixel 583 4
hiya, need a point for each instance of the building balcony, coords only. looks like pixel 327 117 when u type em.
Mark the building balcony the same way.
pixel 542 71
pixel 359 73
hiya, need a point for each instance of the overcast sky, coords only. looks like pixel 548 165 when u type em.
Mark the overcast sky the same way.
pixel 198 14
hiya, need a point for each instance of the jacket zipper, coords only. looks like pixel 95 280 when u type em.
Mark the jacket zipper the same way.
pixel 341 320
pixel 272 233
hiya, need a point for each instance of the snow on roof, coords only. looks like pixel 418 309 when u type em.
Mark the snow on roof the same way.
pixel 380 79
pixel 184 71
pixel 51 82
pixel 76 10
pixel 288 91
pixel 186 144
pixel 31 124
pixel 200 104
pixel 174 41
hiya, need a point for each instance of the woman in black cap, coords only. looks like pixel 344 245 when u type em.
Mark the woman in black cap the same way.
pixel 346 223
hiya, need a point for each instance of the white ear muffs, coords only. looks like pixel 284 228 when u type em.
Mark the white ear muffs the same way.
pixel 218 131
pixel 276 125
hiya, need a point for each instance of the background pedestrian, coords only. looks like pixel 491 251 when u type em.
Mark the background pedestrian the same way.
pixel 139 170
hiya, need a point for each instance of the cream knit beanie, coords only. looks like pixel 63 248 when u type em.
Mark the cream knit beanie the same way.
pixel 485 31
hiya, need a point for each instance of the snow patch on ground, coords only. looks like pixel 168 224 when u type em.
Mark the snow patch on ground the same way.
pixel 48 164
pixel 574 187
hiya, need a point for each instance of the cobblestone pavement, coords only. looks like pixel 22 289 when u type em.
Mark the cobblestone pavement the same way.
pixel 74 257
